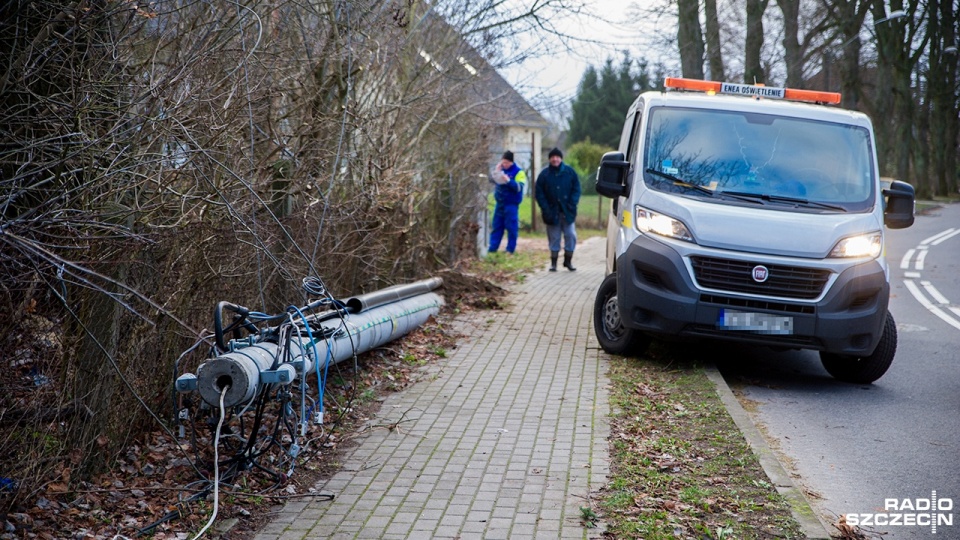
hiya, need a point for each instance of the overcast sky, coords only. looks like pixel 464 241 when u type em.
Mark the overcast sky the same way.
pixel 553 78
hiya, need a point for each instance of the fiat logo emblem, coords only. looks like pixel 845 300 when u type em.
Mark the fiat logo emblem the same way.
pixel 760 273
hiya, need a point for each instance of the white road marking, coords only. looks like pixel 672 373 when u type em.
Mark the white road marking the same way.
pixel 905 261
pixel 936 237
pixel 907 327
pixel 938 241
pixel 939 300
pixel 934 293
pixel 915 291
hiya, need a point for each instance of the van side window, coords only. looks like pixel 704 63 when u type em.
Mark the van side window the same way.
pixel 625 139
pixel 635 137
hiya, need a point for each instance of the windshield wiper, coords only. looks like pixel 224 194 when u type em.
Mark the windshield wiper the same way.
pixel 677 181
pixel 786 200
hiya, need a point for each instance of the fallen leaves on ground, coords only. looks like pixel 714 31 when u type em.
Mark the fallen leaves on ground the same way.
pixel 847 531
pixel 157 487
pixel 680 467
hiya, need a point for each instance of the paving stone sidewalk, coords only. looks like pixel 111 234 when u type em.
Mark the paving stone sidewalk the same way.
pixel 506 438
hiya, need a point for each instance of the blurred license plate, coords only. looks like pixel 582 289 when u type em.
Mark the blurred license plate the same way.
pixel 763 323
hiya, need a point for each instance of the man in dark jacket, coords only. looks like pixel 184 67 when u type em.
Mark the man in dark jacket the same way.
pixel 558 193
pixel 509 179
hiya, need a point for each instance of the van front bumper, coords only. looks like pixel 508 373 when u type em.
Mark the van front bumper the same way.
pixel 657 295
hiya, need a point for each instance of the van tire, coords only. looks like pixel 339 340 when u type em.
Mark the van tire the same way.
pixel 614 338
pixel 865 369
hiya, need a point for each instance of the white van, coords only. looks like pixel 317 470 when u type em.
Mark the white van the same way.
pixel 742 213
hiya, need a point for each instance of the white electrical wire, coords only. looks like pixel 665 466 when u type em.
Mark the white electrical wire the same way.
pixel 303 375
pixel 216 467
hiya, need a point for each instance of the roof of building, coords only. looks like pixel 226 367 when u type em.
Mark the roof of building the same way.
pixel 492 96
pixel 508 107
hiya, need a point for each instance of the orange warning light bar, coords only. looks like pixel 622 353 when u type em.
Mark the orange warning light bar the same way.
pixel 692 84
pixel 812 95
pixel 753 90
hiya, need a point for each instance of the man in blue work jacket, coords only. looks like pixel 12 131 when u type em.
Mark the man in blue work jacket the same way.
pixel 558 193
pixel 509 179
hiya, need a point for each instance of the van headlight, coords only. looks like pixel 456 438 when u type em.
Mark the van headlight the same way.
pixel 652 222
pixel 863 245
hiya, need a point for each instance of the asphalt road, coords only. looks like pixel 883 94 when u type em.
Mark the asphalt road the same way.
pixel 853 447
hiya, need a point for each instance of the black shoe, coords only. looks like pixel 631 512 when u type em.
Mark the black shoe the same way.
pixel 553 260
pixel 567 257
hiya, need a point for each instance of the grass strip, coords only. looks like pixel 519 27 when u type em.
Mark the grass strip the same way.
pixel 680 467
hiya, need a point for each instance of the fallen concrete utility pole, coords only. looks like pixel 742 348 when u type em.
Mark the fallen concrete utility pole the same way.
pixel 246 375
pixel 308 343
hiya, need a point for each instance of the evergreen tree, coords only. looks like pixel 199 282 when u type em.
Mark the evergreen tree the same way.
pixel 585 105
pixel 602 99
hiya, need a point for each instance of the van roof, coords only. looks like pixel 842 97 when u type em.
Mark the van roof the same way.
pixel 752 90
pixel 751 104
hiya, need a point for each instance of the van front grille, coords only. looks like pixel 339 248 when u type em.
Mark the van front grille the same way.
pixel 737 276
pixel 759 305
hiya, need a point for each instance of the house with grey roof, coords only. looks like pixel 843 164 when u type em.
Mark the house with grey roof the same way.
pixel 516 125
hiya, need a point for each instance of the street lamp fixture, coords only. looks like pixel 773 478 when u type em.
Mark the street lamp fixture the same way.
pixel 898 14
pixel 894 15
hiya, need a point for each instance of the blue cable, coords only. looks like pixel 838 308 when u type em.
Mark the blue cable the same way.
pixel 321 384
pixel 326 363
pixel 313 344
pixel 321 381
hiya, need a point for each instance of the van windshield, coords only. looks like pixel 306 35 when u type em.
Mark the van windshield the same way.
pixel 750 158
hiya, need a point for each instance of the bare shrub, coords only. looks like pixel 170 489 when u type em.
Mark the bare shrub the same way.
pixel 158 158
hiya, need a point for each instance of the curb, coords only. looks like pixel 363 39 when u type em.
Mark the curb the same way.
pixel 810 524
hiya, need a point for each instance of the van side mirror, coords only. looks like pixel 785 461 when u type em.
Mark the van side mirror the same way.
pixel 612 175
pixel 900 198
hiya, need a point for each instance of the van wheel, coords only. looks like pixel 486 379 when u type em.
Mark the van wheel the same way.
pixel 865 369
pixel 614 338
